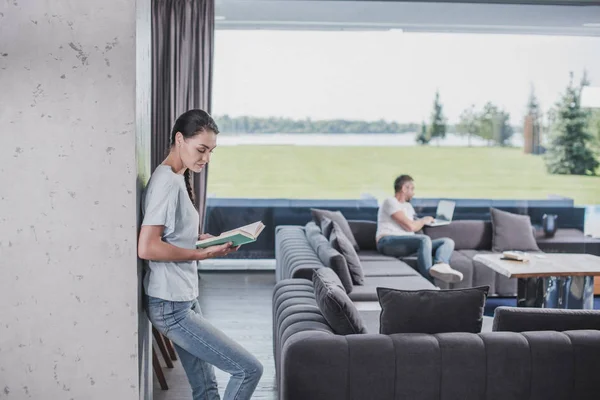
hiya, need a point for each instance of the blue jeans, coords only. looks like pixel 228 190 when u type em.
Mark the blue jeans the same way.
pixel 201 346
pixel 428 251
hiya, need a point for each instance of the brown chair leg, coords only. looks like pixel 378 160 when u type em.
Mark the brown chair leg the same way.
pixel 161 346
pixel 170 348
pixel 158 370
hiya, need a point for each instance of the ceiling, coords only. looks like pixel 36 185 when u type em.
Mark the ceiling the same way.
pixel 410 16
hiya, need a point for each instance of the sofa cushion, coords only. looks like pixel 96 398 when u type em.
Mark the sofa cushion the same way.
pixel 364 232
pixel 331 258
pixel 512 232
pixel 467 234
pixel 326 226
pixel 374 255
pixel 336 216
pixel 335 305
pixel 387 268
pixel 368 291
pixel 431 311
pixel 371 318
pixel 341 243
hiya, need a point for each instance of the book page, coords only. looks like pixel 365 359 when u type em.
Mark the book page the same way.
pixel 252 229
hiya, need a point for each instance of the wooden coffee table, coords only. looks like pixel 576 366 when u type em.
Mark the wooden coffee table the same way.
pixel 557 280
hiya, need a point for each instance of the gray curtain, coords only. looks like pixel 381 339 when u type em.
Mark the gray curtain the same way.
pixel 182 52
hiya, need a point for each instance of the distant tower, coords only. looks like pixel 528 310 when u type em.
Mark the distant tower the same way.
pixel 531 128
pixel 528 135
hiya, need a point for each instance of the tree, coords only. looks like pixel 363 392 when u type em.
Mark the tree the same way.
pixel 423 136
pixel 468 124
pixel 437 127
pixel 533 106
pixel 594 127
pixel 492 124
pixel 570 151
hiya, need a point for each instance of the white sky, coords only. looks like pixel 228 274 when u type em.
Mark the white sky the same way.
pixel 391 75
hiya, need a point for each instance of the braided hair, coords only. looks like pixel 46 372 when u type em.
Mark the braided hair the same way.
pixel 191 123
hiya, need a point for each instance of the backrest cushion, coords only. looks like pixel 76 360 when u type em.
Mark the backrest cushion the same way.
pixel 431 311
pixel 342 244
pixel 512 232
pixel 336 216
pixel 467 234
pixel 335 305
pixel 331 258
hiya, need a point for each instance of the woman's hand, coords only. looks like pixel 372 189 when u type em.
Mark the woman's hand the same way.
pixel 218 251
pixel 203 236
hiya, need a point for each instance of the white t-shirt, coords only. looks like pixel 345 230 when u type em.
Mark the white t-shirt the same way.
pixel 167 203
pixel 386 225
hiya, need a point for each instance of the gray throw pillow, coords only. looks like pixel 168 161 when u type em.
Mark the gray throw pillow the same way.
pixel 335 305
pixel 326 227
pixel 340 242
pixel 336 216
pixel 431 311
pixel 331 258
pixel 512 232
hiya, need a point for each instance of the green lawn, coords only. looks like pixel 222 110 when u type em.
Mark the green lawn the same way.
pixel 347 172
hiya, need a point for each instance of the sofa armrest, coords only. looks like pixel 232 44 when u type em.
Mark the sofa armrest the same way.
pixel 364 232
pixel 516 319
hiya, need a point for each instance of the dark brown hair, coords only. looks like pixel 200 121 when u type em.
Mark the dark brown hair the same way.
pixel 191 123
pixel 400 181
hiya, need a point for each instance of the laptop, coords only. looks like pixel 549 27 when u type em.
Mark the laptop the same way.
pixel 444 213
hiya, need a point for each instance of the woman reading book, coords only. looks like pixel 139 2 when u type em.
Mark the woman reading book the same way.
pixel 168 241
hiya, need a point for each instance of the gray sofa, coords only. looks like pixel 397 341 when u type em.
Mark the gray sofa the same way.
pixel 314 363
pixel 295 258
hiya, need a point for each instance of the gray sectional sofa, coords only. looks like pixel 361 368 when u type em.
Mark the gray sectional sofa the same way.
pixel 557 358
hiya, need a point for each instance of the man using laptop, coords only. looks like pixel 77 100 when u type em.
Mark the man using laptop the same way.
pixel 396 227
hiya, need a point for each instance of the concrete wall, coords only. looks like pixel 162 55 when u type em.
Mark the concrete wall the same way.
pixel 143 121
pixel 68 276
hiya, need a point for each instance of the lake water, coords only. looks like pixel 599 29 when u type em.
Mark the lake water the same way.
pixel 347 139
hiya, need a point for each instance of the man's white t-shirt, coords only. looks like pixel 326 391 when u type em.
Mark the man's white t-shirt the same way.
pixel 386 225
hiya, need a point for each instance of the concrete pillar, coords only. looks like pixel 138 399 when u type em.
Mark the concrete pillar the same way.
pixel 69 194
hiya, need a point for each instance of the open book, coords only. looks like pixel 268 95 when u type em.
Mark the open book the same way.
pixel 242 235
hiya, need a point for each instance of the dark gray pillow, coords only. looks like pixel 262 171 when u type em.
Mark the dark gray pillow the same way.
pixel 331 258
pixel 336 216
pixel 326 227
pixel 512 232
pixel 335 305
pixel 431 311
pixel 340 242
